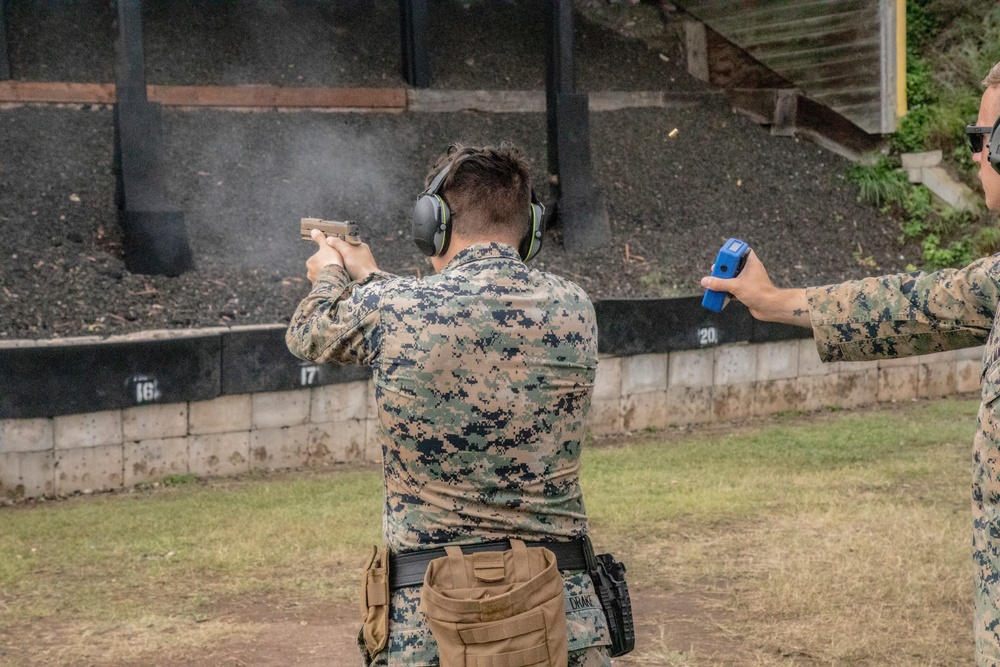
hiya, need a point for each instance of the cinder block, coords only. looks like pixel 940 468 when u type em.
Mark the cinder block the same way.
pixel 777 361
pixel 224 414
pixel 605 417
pixel 735 364
pixel 897 362
pixel 88 468
pixel 783 395
pixel 819 391
pixel 373 440
pixel 897 383
pixel 27 474
pixel 91 429
pixel 339 402
pixel 733 401
pixel 809 361
pixel 372 409
pixel 936 380
pixel 976 353
pixel 152 460
pixel 968 374
pixel 645 410
pixel 948 356
pixel 280 408
pixel 277 448
pixel 691 368
pixel 644 373
pixel 608 383
pixel 853 366
pixel 921 160
pixel 26 435
pixel 689 405
pixel 152 422
pixel 219 453
pixel 336 442
pixel 857 389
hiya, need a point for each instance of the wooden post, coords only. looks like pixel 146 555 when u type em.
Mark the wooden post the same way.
pixel 413 43
pixel 4 52
pixel 697 50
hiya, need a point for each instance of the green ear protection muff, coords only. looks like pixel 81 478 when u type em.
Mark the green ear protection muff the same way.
pixel 431 221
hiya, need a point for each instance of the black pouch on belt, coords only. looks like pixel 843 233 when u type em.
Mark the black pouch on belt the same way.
pixel 609 582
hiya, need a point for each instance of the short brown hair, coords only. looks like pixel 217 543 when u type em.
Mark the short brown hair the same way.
pixel 488 189
pixel 993 78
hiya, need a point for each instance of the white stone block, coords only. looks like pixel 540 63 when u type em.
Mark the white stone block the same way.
pixel 897 362
pixel 373 440
pixel 280 408
pixel 689 405
pixel 27 474
pixel 219 453
pixel 608 383
pixel 644 373
pixel 691 368
pixel 971 353
pixel 88 468
pixel 819 391
pixel 277 448
pixel 336 442
pixel 733 401
pixel 936 380
pixel 605 416
pixel 371 411
pixel 954 193
pixel 853 366
pixel 809 361
pixel 857 389
pixel 777 361
pixel 897 383
pixel 339 402
pixel 735 364
pixel 948 356
pixel 151 422
pixel 782 395
pixel 26 435
pixel 90 429
pixel 968 374
pixel 921 160
pixel 646 410
pixel 224 414
pixel 152 460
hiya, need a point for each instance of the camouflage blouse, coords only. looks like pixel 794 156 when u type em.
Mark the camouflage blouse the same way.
pixel 483 375
pixel 918 313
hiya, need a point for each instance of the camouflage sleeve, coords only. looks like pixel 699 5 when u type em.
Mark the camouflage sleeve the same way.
pixel 905 314
pixel 338 320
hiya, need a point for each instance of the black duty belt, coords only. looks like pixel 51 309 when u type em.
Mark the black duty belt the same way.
pixel 407 569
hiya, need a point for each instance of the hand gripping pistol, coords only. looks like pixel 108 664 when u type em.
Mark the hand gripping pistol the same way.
pixel 346 230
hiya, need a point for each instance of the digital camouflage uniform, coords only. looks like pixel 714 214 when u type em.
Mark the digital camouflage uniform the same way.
pixel 483 376
pixel 919 313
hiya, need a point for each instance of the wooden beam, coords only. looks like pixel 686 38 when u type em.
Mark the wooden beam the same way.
pixel 224 96
pixel 697 49
pixel 4 52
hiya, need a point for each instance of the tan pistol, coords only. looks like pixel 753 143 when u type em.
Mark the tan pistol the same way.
pixel 346 230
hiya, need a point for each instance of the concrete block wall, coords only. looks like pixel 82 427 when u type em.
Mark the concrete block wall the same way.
pixel 223 436
pixel 323 425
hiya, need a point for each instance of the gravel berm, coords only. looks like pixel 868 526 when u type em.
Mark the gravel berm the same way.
pixel 244 179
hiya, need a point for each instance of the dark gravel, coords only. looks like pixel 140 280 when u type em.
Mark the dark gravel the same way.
pixel 245 178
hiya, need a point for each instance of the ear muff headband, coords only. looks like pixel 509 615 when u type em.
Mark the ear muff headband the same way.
pixel 430 225
pixel 993 154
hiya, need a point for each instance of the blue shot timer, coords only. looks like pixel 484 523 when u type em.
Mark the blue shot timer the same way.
pixel 732 257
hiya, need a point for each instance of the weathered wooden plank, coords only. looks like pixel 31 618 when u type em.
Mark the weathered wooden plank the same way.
pixel 57 93
pixel 274 96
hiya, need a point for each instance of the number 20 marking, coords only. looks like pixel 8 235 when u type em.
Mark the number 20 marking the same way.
pixel 708 336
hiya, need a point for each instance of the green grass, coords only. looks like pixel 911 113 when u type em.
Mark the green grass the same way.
pixel 826 533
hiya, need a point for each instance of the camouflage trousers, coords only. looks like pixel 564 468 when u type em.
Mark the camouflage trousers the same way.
pixel 412 645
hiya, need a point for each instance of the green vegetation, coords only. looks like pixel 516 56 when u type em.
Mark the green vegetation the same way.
pixel 951 45
pixel 822 534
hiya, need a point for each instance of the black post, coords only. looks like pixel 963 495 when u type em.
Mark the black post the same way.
pixel 581 211
pixel 155 238
pixel 4 53
pixel 413 42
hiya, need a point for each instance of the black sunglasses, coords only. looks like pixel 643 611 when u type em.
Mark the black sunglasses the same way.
pixel 976 134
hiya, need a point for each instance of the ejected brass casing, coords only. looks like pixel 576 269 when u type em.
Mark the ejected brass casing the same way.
pixel 346 230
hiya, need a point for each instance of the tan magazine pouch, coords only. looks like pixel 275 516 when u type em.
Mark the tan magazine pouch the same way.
pixel 375 601
pixel 497 608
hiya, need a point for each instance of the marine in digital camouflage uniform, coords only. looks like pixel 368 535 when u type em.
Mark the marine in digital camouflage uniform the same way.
pixel 911 314
pixel 483 375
